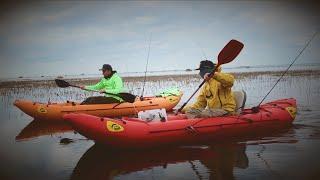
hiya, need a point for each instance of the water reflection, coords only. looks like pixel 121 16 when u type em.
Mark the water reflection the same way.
pixel 218 160
pixel 38 128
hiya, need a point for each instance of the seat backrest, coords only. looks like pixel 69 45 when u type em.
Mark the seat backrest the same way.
pixel 240 98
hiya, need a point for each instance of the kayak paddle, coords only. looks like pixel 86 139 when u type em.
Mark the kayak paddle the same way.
pixel 226 55
pixel 125 96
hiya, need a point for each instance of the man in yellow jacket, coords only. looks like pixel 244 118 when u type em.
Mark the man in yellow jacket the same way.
pixel 216 97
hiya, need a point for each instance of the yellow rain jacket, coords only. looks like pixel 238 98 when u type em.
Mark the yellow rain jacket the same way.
pixel 216 93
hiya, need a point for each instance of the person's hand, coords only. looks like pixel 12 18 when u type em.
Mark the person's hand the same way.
pixel 207 77
pixel 83 87
pixel 102 91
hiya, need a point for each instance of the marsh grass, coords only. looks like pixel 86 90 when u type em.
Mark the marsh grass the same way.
pixel 300 84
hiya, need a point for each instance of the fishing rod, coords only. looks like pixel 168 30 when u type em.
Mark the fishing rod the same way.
pixel 145 73
pixel 202 51
pixel 256 108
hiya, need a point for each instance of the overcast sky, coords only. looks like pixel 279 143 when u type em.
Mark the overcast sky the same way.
pixel 54 38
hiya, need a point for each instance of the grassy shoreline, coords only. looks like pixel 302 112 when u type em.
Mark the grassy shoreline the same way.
pixel 180 77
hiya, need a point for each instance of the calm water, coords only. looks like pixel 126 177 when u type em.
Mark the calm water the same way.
pixel 33 150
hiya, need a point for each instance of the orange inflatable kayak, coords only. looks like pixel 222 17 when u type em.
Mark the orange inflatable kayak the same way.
pixel 55 111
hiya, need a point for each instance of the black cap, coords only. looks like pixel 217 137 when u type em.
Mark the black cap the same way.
pixel 106 67
pixel 206 64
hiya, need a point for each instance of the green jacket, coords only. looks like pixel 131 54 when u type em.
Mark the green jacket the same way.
pixel 112 85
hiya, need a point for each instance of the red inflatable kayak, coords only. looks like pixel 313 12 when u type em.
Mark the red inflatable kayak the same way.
pixel 137 133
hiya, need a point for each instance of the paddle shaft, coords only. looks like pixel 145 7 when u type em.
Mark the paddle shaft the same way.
pixel 125 96
pixel 96 91
pixel 84 89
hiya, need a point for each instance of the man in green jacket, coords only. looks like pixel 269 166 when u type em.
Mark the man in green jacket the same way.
pixel 110 83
